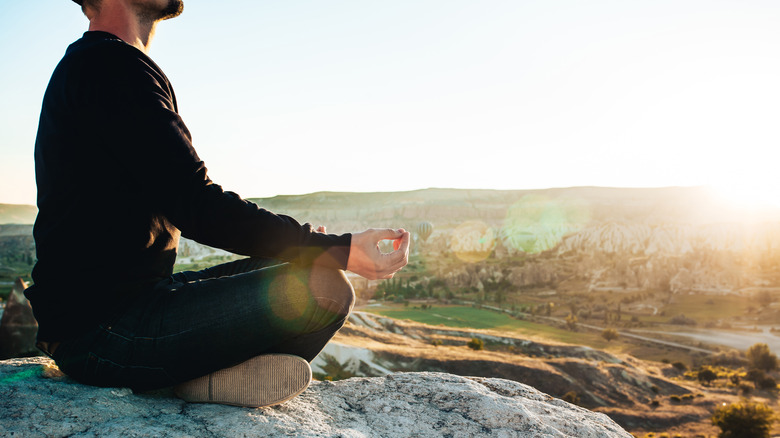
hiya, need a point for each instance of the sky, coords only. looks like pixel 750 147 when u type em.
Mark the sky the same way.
pixel 301 96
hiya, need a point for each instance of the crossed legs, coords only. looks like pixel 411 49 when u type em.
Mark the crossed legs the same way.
pixel 196 323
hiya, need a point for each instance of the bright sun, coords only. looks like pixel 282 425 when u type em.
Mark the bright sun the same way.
pixel 750 193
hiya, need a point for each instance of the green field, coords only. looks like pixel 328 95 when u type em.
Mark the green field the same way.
pixel 471 317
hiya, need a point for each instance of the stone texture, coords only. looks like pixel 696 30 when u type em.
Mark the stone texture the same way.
pixel 36 401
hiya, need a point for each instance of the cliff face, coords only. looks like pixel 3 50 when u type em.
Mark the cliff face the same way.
pixel 36 401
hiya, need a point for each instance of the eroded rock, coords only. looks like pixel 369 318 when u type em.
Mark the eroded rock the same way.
pixel 35 402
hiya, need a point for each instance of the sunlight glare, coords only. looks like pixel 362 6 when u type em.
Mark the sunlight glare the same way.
pixel 750 192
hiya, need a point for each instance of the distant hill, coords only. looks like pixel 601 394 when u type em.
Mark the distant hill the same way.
pixel 17 214
pixel 680 239
pixel 449 208
pixel 695 205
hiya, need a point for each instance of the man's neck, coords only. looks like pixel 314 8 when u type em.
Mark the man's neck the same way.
pixel 119 19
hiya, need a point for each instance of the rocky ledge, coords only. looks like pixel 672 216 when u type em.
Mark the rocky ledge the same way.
pixel 37 401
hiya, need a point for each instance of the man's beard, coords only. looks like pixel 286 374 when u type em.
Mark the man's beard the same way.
pixel 174 8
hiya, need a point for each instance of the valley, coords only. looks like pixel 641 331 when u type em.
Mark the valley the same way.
pixel 544 278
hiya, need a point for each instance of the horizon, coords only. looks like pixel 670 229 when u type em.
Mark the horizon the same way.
pixel 710 201
pixel 503 96
pixel 701 187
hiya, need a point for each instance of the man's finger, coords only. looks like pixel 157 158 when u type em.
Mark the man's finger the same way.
pixel 398 258
pixel 387 233
pixel 403 245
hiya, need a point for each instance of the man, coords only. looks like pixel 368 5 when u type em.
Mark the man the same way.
pixel 118 183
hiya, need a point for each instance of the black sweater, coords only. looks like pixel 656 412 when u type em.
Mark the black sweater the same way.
pixel 119 182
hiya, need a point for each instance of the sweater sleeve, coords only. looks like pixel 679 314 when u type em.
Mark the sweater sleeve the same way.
pixel 137 121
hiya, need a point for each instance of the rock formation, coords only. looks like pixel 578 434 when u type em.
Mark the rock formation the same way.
pixel 679 240
pixel 35 400
pixel 17 325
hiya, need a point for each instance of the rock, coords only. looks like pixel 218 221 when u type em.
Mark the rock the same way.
pixel 37 402
pixel 17 325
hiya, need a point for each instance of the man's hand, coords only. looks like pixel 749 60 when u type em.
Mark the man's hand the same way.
pixel 366 260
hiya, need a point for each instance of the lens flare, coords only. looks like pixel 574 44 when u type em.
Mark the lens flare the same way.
pixel 473 241
pixel 289 297
pixel 537 223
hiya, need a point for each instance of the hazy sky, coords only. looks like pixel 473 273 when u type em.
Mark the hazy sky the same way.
pixel 294 96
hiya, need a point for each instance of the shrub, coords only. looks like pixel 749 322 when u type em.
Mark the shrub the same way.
pixel 675 398
pixel 755 376
pixel 744 420
pixel 609 334
pixel 731 358
pixel 706 375
pixel 476 344
pixel 759 357
pixel 655 389
pixel 767 382
pixel 655 403
pixel 571 397
pixel 437 342
pixel 571 322
pixel 680 366
pixel 682 320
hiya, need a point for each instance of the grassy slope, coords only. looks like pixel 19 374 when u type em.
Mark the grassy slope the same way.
pixel 469 317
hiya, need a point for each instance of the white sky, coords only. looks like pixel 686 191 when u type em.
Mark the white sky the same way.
pixel 294 96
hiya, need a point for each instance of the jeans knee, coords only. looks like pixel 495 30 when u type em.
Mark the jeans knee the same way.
pixel 332 290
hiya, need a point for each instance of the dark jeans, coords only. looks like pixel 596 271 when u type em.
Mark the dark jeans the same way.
pixel 195 323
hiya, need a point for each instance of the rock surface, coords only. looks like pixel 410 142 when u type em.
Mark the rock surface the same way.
pixel 35 401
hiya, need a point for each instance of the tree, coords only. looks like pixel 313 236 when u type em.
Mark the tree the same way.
pixel 706 375
pixel 610 334
pixel 476 344
pixel 759 357
pixel 744 420
pixel 571 322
